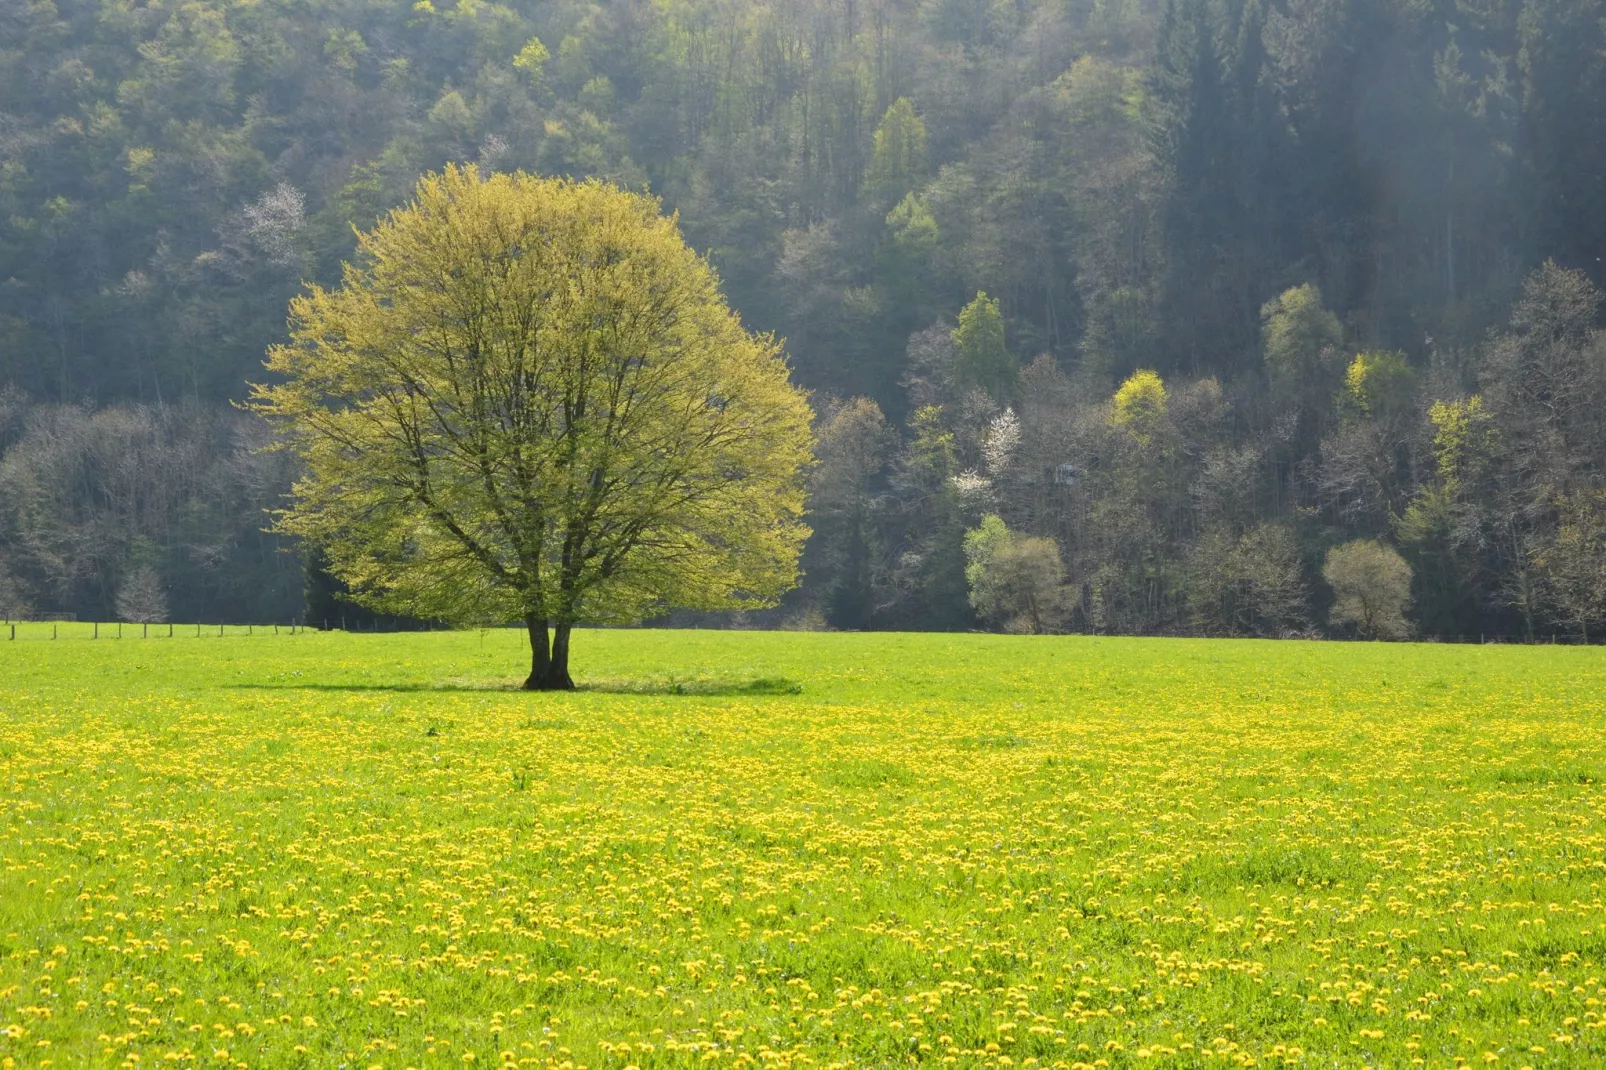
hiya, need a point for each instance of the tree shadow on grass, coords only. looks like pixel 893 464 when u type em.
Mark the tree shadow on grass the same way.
pixel 763 686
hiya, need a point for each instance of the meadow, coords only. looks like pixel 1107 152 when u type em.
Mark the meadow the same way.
pixel 751 849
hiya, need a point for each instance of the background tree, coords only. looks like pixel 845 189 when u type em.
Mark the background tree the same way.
pixel 1367 472
pixel 1573 560
pixel 981 357
pixel 1371 589
pixel 1300 338
pixel 140 597
pixel 854 447
pixel 528 401
pixel 898 159
pixel 1253 585
pixel 1016 581
pixel 14 602
pixel 924 586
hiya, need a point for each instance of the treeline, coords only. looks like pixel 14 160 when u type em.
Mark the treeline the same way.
pixel 145 513
pixel 1342 490
pixel 1131 181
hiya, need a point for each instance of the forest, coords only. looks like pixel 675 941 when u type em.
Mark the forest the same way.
pixel 1121 316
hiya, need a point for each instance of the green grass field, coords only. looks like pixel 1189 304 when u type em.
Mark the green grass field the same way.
pixel 787 849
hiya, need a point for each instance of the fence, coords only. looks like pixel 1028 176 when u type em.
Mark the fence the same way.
pixel 16 631
pixel 62 628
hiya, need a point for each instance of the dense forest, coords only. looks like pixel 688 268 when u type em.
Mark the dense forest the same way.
pixel 1119 315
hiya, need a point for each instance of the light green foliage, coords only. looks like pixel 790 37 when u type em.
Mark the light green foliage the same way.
pixel 1371 589
pixel 528 401
pixel 983 544
pixel 898 157
pixel 913 226
pixel 1096 93
pixel 1297 331
pixel 1379 385
pixel 981 357
pixel 1016 581
pixel 365 850
pixel 932 451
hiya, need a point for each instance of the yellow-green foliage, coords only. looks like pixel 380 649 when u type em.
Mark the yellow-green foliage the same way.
pixel 326 850
pixel 528 397
pixel 1378 384
pixel 1458 430
pixel 532 58
pixel 1140 402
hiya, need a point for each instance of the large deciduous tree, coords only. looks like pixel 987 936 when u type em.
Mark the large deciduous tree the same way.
pixel 528 401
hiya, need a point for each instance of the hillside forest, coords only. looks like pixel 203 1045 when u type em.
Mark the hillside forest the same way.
pixel 1132 316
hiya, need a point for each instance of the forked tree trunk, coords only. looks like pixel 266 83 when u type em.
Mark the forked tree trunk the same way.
pixel 549 656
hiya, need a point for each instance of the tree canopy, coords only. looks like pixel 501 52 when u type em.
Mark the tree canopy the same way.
pixel 528 401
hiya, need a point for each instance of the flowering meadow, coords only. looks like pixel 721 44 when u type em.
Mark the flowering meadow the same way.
pixel 748 849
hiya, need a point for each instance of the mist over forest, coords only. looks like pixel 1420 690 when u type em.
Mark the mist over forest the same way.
pixel 1119 315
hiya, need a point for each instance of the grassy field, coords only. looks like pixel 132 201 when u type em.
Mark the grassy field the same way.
pixel 778 849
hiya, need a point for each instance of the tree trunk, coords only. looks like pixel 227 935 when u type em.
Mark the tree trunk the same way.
pixel 540 653
pixel 557 677
pixel 549 656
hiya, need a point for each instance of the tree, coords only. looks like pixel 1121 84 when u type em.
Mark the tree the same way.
pixel 528 401
pixel 981 358
pixel 1139 404
pixel 1248 586
pixel 1573 561
pixel 1379 386
pixel 1298 335
pixel 1371 587
pixel 1016 581
pixel 1365 477
pixel 927 580
pixel 855 445
pixel 14 603
pixel 140 597
pixel 898 160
